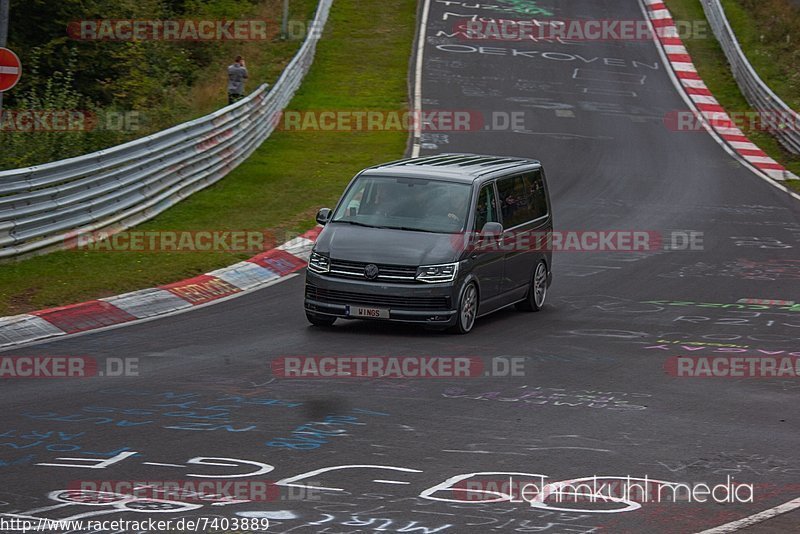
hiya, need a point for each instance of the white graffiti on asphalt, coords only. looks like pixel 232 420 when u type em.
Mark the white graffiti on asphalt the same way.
pixel 251 468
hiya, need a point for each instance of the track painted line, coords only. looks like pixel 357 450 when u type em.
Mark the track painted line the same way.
pixel 760 517
pixel 421 39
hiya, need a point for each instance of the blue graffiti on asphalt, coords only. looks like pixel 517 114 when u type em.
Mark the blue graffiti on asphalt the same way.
pixel 190 412
pixel 194 413
pixel 309 436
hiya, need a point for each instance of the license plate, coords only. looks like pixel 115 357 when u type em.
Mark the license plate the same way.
pixel 359 312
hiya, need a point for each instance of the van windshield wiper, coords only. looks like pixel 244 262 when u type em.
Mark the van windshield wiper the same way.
pixel 404 228
pixel 411 229
pixel 356 223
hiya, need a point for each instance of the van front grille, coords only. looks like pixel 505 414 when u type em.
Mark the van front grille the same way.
pixel 388 273
pixel 381 301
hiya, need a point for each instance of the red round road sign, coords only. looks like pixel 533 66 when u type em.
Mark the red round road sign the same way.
pixel 10 69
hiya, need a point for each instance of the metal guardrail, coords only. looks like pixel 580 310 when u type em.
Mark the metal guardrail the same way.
pixel 43 207
pixel 757 93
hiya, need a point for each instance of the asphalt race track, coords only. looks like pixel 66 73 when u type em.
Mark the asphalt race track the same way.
pixel 595 398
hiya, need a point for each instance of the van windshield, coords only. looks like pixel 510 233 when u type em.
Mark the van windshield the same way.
pixel 416 204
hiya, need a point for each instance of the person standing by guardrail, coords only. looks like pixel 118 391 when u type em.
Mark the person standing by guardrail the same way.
pixel 237 74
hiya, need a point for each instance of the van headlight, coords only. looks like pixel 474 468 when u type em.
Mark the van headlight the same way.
pixel 432 274
pixel 319 263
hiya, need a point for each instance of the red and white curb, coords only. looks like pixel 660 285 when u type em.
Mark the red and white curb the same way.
pixel 253 273
pixel 707 106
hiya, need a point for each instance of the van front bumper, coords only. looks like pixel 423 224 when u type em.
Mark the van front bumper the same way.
pixel 431 304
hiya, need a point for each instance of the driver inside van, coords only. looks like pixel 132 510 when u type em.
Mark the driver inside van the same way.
pixel 452 203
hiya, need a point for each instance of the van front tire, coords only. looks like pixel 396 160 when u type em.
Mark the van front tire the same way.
pixel 467 310
pixel 537 290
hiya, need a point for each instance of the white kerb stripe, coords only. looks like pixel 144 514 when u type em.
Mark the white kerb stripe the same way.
pixel 704 99
pixel 694 84
pixel 724 130
pixel 743 146
pixel 675 49
pixel 684 67
pixel 660 14
pixel 776 174
pixel 668 32
pixel 759 159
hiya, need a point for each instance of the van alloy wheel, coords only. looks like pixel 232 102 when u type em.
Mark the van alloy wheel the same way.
pixel 537 290
pixel 467 310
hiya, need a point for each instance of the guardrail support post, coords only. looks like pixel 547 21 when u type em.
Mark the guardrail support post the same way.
pixel 285 20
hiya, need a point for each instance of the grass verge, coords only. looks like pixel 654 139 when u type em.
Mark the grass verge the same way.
pixel 361 63
pixel 769 33
pixel 712 65
pixel 156 95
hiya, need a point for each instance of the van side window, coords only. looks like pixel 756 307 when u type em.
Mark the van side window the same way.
pixel 486 209
pixel 522 198
pixel 540 208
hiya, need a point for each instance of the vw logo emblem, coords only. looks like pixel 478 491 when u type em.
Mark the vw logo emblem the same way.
pixel 371 271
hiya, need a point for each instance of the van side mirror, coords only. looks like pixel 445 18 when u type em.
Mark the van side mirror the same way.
pixel 323 216
pixel 492 229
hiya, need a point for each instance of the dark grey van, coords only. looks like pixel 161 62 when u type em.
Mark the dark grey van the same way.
pixel 438 241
